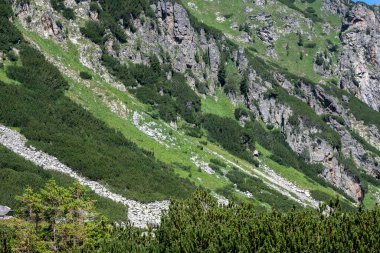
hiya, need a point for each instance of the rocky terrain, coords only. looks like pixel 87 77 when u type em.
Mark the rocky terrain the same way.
pixel 139 215
pixel 359 64
pixel 284 53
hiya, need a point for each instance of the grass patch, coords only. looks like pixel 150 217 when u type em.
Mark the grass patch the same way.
pixel 219 105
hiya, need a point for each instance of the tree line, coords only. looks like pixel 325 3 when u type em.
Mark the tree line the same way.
pixel 57 219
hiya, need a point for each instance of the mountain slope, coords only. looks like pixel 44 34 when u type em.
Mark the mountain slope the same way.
pixel 164 75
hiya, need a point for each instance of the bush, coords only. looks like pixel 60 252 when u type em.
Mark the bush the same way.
pixel 243 112
pixel 218 162
pixel 59 6
pixel 68 13
pixel 193 132
pixel 311 45
pixel 319 59
pixel 93 31
pixel 320 196
pixel 12 56
pixel 260 190
pixel 310 10
pixel 230 135
pixel 94 7
pixel 85 75
pixel 216 168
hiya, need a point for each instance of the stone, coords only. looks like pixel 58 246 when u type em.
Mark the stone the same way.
pixel 267 34
pixel 4 210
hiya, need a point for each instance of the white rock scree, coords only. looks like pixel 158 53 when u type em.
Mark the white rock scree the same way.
pixel 139 214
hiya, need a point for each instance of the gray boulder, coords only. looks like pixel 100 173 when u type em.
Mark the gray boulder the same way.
pixel 4 210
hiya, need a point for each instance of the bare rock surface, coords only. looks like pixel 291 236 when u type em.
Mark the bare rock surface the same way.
pixel 359 64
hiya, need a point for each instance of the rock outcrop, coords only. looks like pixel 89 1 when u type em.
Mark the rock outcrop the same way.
pixel 359 64
pixel 336 6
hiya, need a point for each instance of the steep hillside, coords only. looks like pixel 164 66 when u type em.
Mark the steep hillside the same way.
pixel 274 103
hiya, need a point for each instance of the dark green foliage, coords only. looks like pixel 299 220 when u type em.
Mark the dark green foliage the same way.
pixel 5 10
pixel 120 71
pixel 195 132
pixel 308 13
pixel 169 97
pixel 216 168
pixel 6 236
pixel 117 30
pixel 16 174
pixel 59 5
pixel 228 192
pixel 311 45
pixel 362 111
pixel 85 75
pixel 124 10
pixel 68 13
pixel 192 227
pixel 230 135
pixel 143 74
pixel 243 112
pixel 202 87
pixel 333 48
pixel 94 31
pixel 199 224
pixel 319 59
pixel 320 196
pixel 244 86
pixel 9 35
pixel 189 104
pixel 310 10
pixel 260 190
pixel 60 127
pixel 12 56
pixel 94 7
pixel 222 74
pixel 155 64
pixel 218 162
pixel 37 75
pixel 300 40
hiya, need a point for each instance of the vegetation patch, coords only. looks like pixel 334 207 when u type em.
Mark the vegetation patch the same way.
pixel 60 127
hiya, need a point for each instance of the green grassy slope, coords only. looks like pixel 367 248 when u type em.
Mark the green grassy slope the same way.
pixel 96 95
pixel 218 14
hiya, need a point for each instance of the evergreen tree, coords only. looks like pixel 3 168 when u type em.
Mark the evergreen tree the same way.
pixel 57 219
pixel 222 74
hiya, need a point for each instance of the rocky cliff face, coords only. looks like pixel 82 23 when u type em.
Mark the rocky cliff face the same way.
pixel 339 7
pixel 359 64
pixel 172 35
